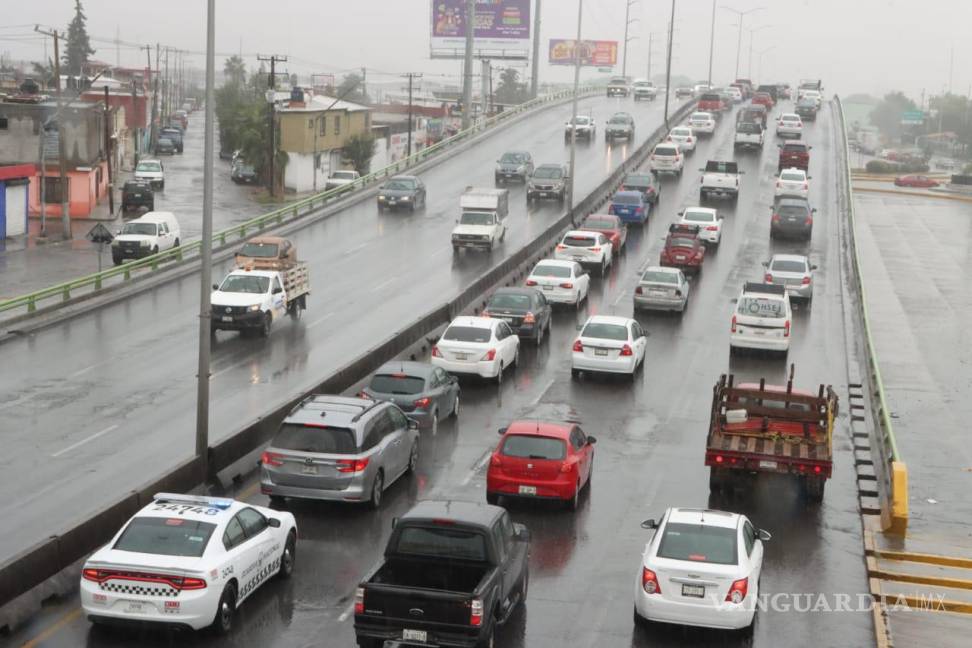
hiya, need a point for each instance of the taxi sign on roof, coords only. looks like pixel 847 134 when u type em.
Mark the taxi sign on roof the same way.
pixel 221 503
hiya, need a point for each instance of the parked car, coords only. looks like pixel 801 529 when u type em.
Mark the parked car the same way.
pixel 792 271
pixel 402 191
pixel 548 181
pixel 609 344
pixel 792 217
pixel 591 249
pixel 151 171
pixel 526 310
pixel 148 234
pixel 646 183
pixel 915 181
pixel 423 392
pixel 513 165
pixel 683 248
pixel 137 195
pixel 630 206
pixel 363 449
pixel 661 288
pixel 174 134
pixel 481 346
pixel 611 227
pixel 762 319
pixel 561 282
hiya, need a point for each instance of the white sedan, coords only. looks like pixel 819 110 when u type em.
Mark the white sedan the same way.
pixel 587 248
pixel 789 125
pixel 684 137
pixel 700 568
pixel 187 561
pixel 792 182
pixel 561 282
pixel 609 344
pixel 708 220
pixel 480 346
pixel 702 122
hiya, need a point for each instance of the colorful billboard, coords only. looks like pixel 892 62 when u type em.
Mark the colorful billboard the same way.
pixel 501 30
pixel 596 53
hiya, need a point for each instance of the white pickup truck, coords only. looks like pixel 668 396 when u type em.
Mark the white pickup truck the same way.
pixel 720 179
pixel 482 224
pixel 251 300
pixel 341 179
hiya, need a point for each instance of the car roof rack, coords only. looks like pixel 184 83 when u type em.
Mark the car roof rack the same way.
pixel 344 401
pixel 769 289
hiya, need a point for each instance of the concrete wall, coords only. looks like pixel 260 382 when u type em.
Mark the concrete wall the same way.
pixel 88 189
pixel 81 125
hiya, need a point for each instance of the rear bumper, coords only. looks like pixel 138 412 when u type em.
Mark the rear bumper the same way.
pixel 760 342
pixel 561 295
pixel 195 611
pixel 620 365
pixel 507 486
pixel 482 368
pixel 686 266
pixel 446 638
pixel 355 492
pixel 708 614
pixel 473 245
pixel 646 302
pixel 798 231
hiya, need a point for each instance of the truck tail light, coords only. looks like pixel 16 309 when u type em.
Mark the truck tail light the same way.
pixel 578 346
pixel 776 218
pixel 768 278
pixel 476 612
pixel 435 351
pixel 359 600
pixel 529 318
pixel 561 246
pixel 271 459
pixel 688 140
pixel 733 329
pixel 597 248
pixel 568 285
pixel 626 351
pixel 806 281
pixel 490 355
pixel 649 581
pixel 352 465
pixel 531 282
pixel 423 403
pixel 712 228
pixel 738 590
pixel 809 220
pixel 639 291
pixel 786 329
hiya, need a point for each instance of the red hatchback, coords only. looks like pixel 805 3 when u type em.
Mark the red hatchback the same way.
pixel 539 460
pixel 610 226
pixel 683 248
pixel 915 181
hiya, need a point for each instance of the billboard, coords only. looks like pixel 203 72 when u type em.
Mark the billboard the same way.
pixel 501 30
pixel 597 53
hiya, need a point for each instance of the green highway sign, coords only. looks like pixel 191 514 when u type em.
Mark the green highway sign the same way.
pixel 912 117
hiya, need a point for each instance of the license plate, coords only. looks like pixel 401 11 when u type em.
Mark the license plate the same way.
pixel 528 490
pixel 657 293
pixel 768 465
pixel 579 258
pixel 415 635
pixel 227 318
pixel 544 194
pixel 759 332
pixel 679 258
pixel 461 356
pixel 600 352
pixel 392 201
pixel 548 287
pixel 309 470
pixel 697 591
pixel 135 607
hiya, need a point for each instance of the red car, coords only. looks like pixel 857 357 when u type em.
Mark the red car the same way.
pixel 683 248
pixel 915 181
pixel 794 155
pixel 764 99
pixel 540 460
pixel 610 226
pixel 711 102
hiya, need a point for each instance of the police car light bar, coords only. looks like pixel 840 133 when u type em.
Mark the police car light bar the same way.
pixel 221 503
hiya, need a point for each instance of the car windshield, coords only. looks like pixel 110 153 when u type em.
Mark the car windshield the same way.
pixel 513 158
pixel 618 81
pixel 790 118
pixel 142 229
pixel 657 276
pixel 581 121
pixel 643 84
pixel 467 334
pixel 343 175
pixel 761 307
pixel 476 218
pixel 638 180
pixel 397 383
pixel 579 241
pixel 605 331
pixel 698 543
pixel 442 543
pixel 320 439
pixel 400 185
pixel 548 172
pixel 807 102
pixel 698 216
pixel 626 199
pixel 781 265
pixel 245 284
pixel 260 250
pixel 514 301
pixel 618 119
pixel 165 536
pixel 680 241
pixel 149 166
pixel 792 176
pixel 546 270
pixel 534 447
pixel 600 224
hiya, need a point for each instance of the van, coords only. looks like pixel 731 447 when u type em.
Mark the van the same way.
pixel 149 234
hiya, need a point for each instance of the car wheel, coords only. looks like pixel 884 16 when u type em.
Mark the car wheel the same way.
pixel 455 407
pixel 639 621
pixel 603 269
pixel 155 250
pixel 516 358
pixel 276 502
pixel 265 327
pixel 176 244
pixel 574 373
pixel 116 260
pixel 499 375
pixel 374 502
pixel 538 340
pixel 488 639
pixel 225 611
pixel 492 498
pixel 288 557
pixel 434 421
pixel 571 504
pixel 524 587
pixel 413 457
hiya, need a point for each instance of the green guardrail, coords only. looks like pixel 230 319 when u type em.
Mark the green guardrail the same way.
pixel 67 290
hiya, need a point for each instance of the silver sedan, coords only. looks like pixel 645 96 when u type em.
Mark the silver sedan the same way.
pixel 661 288
pixel 794 272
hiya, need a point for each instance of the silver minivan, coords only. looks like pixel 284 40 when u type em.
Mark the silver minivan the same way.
pixel 339 449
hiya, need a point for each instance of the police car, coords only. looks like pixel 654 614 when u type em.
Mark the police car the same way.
pixel 187 561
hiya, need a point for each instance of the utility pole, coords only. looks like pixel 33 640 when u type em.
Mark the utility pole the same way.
pixel 749 65
pixel 134 100
pixel 271 88
pixel 467 73
pixel 364 82
pixel 152 79
pixel 627 22
pixel 111 186
pixel 535 71
pixel 166 90
pixel 484 84
pixel 61 149
pixel 668 63
pixel 741 15
pixel 711 43
pixel 573 119
pixel 411 76
pixel 651 38
pixel 206 252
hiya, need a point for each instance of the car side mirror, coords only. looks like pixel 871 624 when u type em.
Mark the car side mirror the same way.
pixel 591 440
pixel 813 267
pixel 394 522
pixel 413 424
pixel 273 522
pixel 814 210
pixel 681 213
pixel 734 300
pixel 523 534
pixel 276 291
pixel 765 263
pixel 649 524
pixel 502 431
pixel 764 535
pixel 215 286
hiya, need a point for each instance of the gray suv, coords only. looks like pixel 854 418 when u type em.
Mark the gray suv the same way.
pixel 548 181
pixel 339 449
pixel 513 165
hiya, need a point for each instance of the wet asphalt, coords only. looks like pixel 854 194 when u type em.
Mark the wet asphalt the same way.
pixel 651 434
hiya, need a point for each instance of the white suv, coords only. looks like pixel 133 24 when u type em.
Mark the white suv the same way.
pixel 708 220
pixel 762 319
pixel 587 248
pixel 151 171
pixel 666 158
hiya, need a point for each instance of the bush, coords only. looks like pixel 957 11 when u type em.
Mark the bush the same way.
pixel 879 166
pixel 913 167
pixel 885 166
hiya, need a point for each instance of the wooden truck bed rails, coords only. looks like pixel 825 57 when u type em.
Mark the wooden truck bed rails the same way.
pixel 296 281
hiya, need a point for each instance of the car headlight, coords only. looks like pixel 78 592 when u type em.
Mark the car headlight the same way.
pixel 406 198
pixel 143 243
pixel 381 198
pixel 115 243
pixel 254 308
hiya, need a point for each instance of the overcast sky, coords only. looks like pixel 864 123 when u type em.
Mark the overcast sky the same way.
pixel 853 45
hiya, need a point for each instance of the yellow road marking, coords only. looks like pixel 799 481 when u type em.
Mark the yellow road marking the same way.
pixel 54 629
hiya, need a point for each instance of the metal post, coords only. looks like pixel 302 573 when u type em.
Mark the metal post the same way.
pixel 61 149
pixel 535 72
pixel 711 42
pixel 408 150
pixel 573 110
pixel 41 186
pixel 111 190
pixel 651 37
pixel 668 63
pixel 484 85
pixel 627 22
pixel 317 127
pixel 467 72
pixel 741 15
pixel 206 252
pixel 273 97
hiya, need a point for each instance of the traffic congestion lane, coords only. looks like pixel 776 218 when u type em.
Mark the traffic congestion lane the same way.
pixel 123 374
pixel 649 456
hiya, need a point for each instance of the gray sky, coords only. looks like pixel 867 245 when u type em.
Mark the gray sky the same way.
pixel 853 45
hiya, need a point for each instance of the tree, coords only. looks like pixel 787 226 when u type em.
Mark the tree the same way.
pixel 351 85
pixel 44 73
pixel 234 70
pixel 510 90
pixel 887 114
pixel 358 151
pixel 78 47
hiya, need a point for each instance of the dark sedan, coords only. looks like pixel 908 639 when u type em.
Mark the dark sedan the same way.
pixel 646 183
pixel 526 310
pixel 425 393
pixel 792 217
pixel 401 191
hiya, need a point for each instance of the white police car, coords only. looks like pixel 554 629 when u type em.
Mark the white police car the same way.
pixel 187 561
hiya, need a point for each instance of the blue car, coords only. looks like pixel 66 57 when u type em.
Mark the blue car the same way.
pixel 630 207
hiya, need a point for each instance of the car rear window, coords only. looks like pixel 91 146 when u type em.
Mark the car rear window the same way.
pixel 397 383
pixel 792 210
pixel 789 266
pixel 260 250
pixel 791 176
pixel 749 128
pixel 656 276
pixel 698 543
pixel 698 216
pixel 544 270
pixel 166 536
pixel 580 241
pixel 681 132
pixel 323 440
pixel 534 447
pixel 666 150
pixel 605 331
pixel 710 97
pixel 600 224
pixel 761 307
pixel 467 334
pixel 442 542
pixel 626 199
pixel 715 166
pixel 795 148
pixel 680 241
pixel 638 179
pixel 509 300
pixel 701 116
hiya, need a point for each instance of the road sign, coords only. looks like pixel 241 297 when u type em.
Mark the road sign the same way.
pixel 912 117
pixel 100 234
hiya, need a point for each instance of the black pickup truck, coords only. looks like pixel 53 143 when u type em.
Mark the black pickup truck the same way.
pixel 452 572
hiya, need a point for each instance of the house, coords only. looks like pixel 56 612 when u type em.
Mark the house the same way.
pixel 313 130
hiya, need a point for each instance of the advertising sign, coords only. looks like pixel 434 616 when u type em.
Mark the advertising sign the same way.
pixel 502 29
pixel 597 53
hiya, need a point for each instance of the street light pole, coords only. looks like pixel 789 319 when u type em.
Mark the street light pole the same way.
pixel 749 65
pixel 467 72
pixel 627 23
pixel 535 71
pixel 741 15
pixel 711 43
pixel 573 119
pixel 668 63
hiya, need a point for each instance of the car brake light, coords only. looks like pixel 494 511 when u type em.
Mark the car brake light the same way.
pixel 649 581
pixel 359 601
pixel 435 351
pixel 476 612
pixel 806 281
pixel 422 403
pixel 271 459
pixel 712 228
pixel 769 278
pixel 490 355
pixel 567 285
pixel 678 157
pixel 806 185
pixel 733 327
pixel 809 220
pixel 639 291
pixel 352 465
pixel 566 467
pixel 531 282
pixel 561 246
pixel 738 590
pixel 626 350
pixel 786 329
pixel 597 248
pixel 578 346
pixel 776 218
pixel 529 318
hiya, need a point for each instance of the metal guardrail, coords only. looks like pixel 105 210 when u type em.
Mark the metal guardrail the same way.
pixel 94 282
pixel 892 475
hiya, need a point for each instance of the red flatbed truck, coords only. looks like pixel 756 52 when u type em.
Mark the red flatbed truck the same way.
pixel 758 428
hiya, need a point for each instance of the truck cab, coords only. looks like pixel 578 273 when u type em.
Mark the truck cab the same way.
pixel 248 300
pixel 482 223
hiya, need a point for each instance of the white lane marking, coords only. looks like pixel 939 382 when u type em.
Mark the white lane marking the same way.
pixel 355 249
pixel 479 466
pixel 624 293
pixel 346 613
pixel 384 284
pixel 83 441
pixel 543 391
pixel 320 320
pixel 81 372
pixel 440 252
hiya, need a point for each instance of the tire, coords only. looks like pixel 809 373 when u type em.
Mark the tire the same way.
pixel 413 457
pixel 276 501
pixel 225 611
pixel 455 408
pixel 524 587
pixel 265 327
pixel 176 244
pixel 288 557
pixel 434 425
pixel 639 621
pixel 492 498
pixel 516 359
pixel 814 488
pixel 603 269
pixel 116 260
pixel 538 340
pixel 155 250
pixel 572 503
pixel 716 479
pixel 575 373
pixel 488 638
pixel 374 502
pixel 499 375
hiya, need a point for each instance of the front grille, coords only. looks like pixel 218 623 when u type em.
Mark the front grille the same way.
pixel 230 310
pixel 471 237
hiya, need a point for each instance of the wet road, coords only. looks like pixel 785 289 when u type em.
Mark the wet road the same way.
pixel 649 456
pixel 124 375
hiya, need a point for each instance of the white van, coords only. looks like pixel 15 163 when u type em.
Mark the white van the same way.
pixel 151 233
